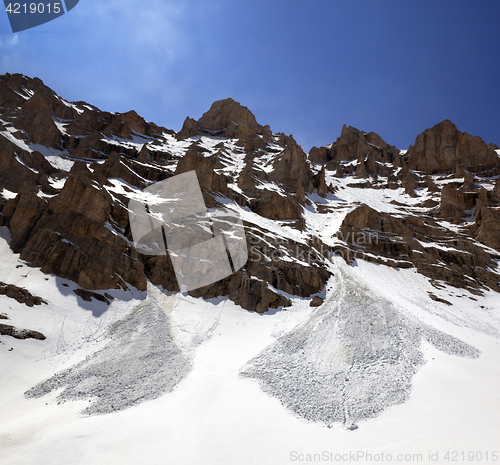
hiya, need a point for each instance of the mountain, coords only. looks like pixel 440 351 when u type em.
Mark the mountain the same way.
pixel 68 171
pixel 361 255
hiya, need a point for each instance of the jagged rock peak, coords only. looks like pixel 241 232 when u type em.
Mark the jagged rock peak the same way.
pixel 17 90
pixel 444 149
pixel 226 118
pixel 351 145
pixel 19 81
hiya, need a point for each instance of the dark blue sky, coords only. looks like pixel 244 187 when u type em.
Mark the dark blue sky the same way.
pixel 306 68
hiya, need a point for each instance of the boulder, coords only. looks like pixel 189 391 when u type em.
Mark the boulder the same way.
pixel 8 330
pixel 316 302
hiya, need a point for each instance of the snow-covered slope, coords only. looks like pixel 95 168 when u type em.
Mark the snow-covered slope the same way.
pixel 216 416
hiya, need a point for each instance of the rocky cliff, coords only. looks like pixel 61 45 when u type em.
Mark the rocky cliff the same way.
pixel 68 171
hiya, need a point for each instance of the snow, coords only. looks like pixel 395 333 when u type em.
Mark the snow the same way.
pixel 351 359
pixel 209 142
pixel 70 105
pixel 29 93
pixel 270 186
pixel 57 158
pixel 233 161
pixel 19 142
pixel 136 142
pixel 215 416
pixel 119 186
pixel 266 160
pixel 143 335
pixel 24 164
pixel 435 245
pixel 347 198
pixel 275 228
pixel 171 145
pixel 378 199
pixel 441 180
pixel 6 194
pixel 61 124
pixel 57 183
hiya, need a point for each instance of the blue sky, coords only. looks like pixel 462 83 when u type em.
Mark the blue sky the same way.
pixel 304 68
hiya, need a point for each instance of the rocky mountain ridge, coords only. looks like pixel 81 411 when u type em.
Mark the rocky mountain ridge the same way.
pixel 68 171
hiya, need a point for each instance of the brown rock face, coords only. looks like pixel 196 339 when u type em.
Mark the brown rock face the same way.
pixel 15 167
pixel 189 129
pixel 210 181
pixel 362 155
pixel 74 222
pixel 454 203
pixel 67 236
pixel 81 232
pixel 443 149
pixel 229 119
pixel 84 197
pixel 8 330
pixel 486 228
pixel 290 175
pixel 321 155
pixel 226 118
pixel 431 185
pixel 40 125
pixel 272 262
pixel 26 209
pixel 246 291
pixel 354 144
pixel 316 302
pixel 320 183
pixel 404 242
pixel 272 205
pixel 23 296
pixel 291 169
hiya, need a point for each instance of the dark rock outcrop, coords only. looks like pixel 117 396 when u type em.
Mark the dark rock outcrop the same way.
pixel 23 296
pixel 444 149
pixel 410 241
pixel 455 202
pixel 8 330
pixel 362 155
pixel 226 118
pixel 316 302
pixel 486 228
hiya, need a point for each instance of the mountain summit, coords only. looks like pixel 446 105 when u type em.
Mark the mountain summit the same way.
pixel 226 118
